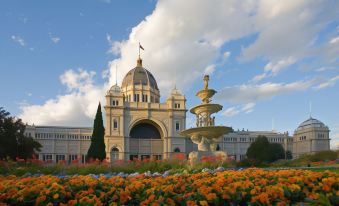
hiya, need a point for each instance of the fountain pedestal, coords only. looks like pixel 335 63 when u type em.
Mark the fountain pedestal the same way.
pixel 206 134
pixel 200 156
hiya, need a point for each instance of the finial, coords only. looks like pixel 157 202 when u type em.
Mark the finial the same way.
pixel 139 61
pixel 310 109
pixel 116 74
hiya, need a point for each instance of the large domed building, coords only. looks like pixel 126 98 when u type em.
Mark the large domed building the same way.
pixel 137 124
pixel 311 136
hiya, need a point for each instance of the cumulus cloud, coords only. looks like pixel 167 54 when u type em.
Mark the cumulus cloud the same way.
pixel 251 93
pixel 287 32
pixel 188 35
pixel 18 40
pixel 75 108
pixel 183 35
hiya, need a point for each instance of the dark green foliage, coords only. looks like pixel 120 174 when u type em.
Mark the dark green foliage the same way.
pixel 13 143
pixel 97 148
pixel 261 150
pixel 276 152
pixel 289 155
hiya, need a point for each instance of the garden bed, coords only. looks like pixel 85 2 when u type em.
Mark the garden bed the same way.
pixel 245 187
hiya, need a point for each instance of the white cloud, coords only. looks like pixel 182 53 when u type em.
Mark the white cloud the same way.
pixel 230 112
pixel 80 80
pixel 55 40
pixel 259 77
pixel 209 69
pixel 287 32
pixel 328 83
pixel 235 110
pixel 183 35
pixel 76 108
pixel 188 35
pixel 251 93
pixel 248 108
pixel 273 68
pixel 18 40
pixel 334 40
pixel 226 55
pixel 115 46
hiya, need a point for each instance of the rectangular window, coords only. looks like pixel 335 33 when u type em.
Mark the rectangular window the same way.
pixel 60 157
pixel 47 157
pixel 146 98
pixel 177 126
pixel 115 124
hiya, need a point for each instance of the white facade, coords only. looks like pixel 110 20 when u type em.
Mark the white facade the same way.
pixel 311 136
pixel 61 143
pixel 236 143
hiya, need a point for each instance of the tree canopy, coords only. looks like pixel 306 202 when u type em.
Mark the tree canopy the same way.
pixel 262 150
pixel 13 143
pixel 97 147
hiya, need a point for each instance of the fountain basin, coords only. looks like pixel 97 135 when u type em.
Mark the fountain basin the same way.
pixel 206 94
pixel 209 108
pixel 209 132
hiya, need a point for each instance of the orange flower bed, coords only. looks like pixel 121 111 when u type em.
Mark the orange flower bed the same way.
pixel 247 187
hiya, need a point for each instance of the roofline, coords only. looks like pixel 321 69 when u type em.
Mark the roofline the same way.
pixel 60 127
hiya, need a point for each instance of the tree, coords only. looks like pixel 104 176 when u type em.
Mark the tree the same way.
pixel 259 150
pixel 13 143
pixel 276 152
pixel 97 147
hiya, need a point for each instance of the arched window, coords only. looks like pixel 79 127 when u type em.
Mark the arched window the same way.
pixel 176 149
pixel 145 130
pixel 114 154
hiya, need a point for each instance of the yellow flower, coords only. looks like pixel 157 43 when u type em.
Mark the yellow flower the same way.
pixel 203 203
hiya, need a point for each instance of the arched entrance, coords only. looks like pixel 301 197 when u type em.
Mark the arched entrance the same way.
pixel 146 140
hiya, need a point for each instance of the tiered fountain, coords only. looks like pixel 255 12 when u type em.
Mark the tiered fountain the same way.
pixel 206 134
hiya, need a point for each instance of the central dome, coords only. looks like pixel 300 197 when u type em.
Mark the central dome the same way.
pixel 139 76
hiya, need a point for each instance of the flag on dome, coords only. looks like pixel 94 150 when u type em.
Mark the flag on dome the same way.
pixel 141 46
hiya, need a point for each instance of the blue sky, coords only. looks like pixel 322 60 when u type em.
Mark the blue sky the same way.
pixel 267 59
